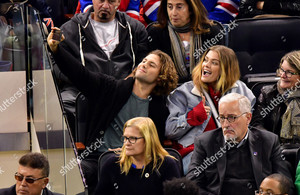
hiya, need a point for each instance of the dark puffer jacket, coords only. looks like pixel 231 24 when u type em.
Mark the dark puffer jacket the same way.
pixel 269 110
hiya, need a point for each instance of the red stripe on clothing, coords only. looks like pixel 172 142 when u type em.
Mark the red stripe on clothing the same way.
pixel 229 7
pixel 149 4
pixel 133 16
pixel 78 8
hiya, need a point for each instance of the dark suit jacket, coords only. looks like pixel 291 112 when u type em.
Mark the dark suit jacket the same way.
pixel 12 191
pixel 264 151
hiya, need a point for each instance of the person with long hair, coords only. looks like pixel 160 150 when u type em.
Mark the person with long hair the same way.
pixel 143 164
pixel 112 102
pixel 277 108
pixel 193 106
pixel 184 31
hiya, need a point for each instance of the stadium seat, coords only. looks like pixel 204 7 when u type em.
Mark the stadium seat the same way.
pixel 260 43
pixel 81 110
pixel 291 153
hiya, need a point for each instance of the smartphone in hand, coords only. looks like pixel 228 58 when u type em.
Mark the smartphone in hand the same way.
pixel 57 35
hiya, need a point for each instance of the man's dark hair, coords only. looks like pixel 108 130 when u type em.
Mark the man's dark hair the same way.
pixel 36 161
pixel 284 182
pixel 181 186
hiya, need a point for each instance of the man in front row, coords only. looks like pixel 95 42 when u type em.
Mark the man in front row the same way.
pixel 274 184
pixel 236 158
pixel 32 176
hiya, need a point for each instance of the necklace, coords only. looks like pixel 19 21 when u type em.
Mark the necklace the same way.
pixel 184 36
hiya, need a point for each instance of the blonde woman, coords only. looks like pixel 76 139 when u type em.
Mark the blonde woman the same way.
pixel 142 165
pixel 193 106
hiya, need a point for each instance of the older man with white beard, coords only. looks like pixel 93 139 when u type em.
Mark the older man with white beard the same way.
pixel 240 157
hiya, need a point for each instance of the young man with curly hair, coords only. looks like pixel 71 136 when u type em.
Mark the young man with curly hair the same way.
pixel 112 102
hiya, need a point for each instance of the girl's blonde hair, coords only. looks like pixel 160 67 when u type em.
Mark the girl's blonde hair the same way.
pixel 229 70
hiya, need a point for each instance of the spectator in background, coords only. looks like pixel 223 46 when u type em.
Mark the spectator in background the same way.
pixel 11 11
pixel 32 176
pixel 222 11
pixel 44 11
pixel 103 40
pixel 4 30
pixel 13 38
pixel 277 108
pixel 181 186
pixel 251 8
pixel 85 5
pixel 274 184
pixel 143 164
pixel 147 9
pixel 181 31
pixel 235 159
pixel 193 106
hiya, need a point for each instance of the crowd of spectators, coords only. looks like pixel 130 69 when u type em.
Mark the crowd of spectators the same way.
pixel 151 85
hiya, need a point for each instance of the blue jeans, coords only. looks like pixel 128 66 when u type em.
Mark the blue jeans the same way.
pixel 186 162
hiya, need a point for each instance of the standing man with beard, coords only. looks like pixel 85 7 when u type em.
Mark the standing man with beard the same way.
pixel 235 159
pixel 103 40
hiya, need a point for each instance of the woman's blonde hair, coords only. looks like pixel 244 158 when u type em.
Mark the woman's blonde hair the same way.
pixel 293 58
pixel 153 150
pixel 229 69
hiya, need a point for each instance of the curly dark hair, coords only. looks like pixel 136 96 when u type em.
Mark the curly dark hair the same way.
pixel 168 77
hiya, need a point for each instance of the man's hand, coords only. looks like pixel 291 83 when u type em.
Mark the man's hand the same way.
pixel 51 39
